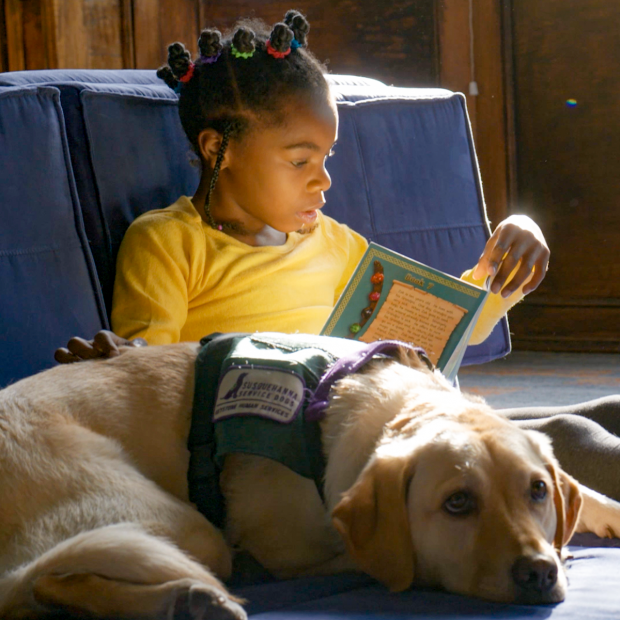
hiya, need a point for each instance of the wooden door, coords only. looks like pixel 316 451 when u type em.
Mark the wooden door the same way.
pixel 567 91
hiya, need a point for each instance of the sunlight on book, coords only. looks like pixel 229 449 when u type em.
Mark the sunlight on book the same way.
pixel 413 315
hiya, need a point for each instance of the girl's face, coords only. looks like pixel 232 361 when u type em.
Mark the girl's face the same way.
pixel 276 176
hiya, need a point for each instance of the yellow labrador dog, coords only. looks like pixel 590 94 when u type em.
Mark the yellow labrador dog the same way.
pixel 423 485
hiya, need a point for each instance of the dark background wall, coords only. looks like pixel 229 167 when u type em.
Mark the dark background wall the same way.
pixel 537 154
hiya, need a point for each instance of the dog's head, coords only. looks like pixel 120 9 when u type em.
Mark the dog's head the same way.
pixel 466 501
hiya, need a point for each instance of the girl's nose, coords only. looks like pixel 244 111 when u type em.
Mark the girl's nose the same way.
pixel 322 182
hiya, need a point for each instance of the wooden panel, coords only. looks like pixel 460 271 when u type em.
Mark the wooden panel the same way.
pixel 491 131
pixel 4 51
pixel 568 159
pixel 88 34
pixel 127 30
pixel 157 24
pixel 480 60
pixel 456 61
pixel 550 327
pixel 395 42
pixel 14 24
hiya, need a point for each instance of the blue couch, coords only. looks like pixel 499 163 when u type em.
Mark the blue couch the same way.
pixel 82 153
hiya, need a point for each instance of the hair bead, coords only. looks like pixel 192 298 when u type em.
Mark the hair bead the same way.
pixel 209 60
pixel 272 52
pixel 237 54
pixel 189 74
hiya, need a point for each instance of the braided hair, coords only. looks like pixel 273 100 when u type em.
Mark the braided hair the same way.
pixel 245 78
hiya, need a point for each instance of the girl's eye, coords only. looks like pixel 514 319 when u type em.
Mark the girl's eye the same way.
pixel 538 490
pixel 460 504
pixel 299 164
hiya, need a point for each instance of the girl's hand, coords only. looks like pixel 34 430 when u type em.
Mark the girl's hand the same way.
pixel 517 238
pixel 105 344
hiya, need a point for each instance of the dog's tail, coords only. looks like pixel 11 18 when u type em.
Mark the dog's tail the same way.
pixel 114 570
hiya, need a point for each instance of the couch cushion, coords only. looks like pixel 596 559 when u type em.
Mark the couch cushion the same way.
pixel 47 278
pixel 101 76
pixel 140 157
pixel 593 594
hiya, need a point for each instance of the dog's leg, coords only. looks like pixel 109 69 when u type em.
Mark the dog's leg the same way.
pixel 117 571
pixel 599 514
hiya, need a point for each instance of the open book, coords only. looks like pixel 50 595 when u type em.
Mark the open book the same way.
pixel 392 297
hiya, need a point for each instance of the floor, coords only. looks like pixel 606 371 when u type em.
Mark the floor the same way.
pixel 535 378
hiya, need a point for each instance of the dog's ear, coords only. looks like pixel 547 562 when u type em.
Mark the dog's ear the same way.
pixel 566 494
pixel 567 499
pixel 373 521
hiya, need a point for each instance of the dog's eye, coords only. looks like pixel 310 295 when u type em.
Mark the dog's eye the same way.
pixel 460 503
pixel 538 490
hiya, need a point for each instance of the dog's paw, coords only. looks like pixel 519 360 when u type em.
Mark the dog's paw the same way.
pixel 203 602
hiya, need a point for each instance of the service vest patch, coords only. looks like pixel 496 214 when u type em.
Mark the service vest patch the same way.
pixel 249 390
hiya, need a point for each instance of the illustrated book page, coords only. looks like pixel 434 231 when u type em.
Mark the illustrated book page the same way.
pixel 392 297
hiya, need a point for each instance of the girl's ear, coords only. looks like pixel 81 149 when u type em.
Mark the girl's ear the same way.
pixel 209 142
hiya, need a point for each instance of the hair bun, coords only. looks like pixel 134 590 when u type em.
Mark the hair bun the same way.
pixel 281 37
pixel 299 25
pixel 165 73
pixel 244 40
pixel 179 59
pixel 210 42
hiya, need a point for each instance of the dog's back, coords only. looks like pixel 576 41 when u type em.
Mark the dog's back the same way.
pixel 93 463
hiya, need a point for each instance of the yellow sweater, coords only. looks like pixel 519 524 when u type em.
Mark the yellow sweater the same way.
pixel 177 279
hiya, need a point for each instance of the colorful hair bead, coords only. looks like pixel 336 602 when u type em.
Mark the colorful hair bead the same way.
pixel 237 54
pixel 209 60
pixel 272 52
pixel 189 74
pixel 295 44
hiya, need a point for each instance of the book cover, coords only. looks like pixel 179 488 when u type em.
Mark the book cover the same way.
pixel 391 296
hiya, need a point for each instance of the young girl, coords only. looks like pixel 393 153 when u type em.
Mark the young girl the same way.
pixel 251 250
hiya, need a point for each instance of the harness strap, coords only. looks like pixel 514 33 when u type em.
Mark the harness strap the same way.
pixel 348 365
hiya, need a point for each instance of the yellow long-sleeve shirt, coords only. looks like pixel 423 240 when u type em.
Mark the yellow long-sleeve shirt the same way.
pixel 177 279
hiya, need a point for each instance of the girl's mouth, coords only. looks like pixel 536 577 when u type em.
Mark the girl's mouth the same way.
pixel 308 217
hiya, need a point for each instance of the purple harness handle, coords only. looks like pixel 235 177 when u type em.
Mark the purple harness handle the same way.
pixel 348 365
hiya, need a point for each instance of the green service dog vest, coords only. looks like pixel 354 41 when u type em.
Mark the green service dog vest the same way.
pixel 265 394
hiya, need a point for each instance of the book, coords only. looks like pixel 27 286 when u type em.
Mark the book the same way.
pixel 393 297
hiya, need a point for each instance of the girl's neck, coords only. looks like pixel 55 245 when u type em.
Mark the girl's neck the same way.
pixel 265 236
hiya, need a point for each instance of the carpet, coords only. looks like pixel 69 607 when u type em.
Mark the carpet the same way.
pixel 526 378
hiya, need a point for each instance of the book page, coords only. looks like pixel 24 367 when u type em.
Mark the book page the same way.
pixel 415 316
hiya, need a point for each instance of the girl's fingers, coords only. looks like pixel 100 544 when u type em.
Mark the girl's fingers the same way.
pixel 108 343
pixel 83 349
pixel 494 251
pixel 540 271
pixel 522 274
pixel 507 266
pixel 64 356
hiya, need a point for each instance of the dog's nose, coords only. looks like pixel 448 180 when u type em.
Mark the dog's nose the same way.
pixel 535 574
